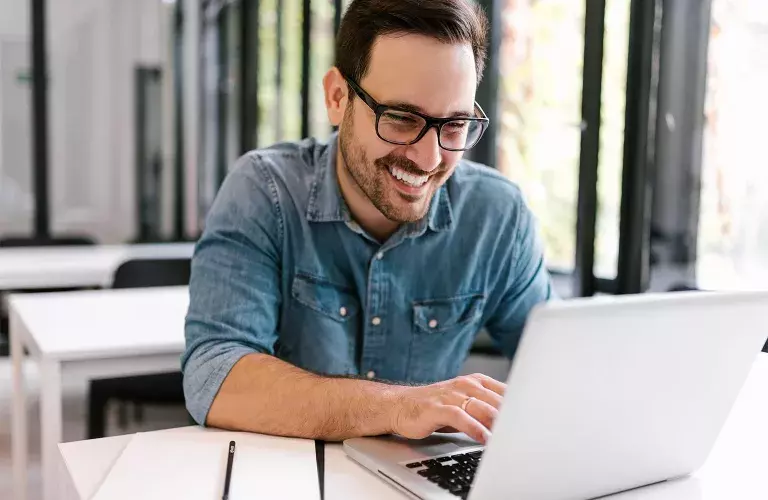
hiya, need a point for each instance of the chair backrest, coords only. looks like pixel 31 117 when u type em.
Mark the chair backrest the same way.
pixel 18 242
pixel 145 273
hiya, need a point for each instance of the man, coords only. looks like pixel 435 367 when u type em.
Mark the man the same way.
pixel 327 269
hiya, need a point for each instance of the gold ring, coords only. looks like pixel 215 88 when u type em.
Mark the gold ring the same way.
pixel 466 403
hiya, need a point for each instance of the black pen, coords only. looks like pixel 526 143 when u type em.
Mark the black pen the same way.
pixel 230 457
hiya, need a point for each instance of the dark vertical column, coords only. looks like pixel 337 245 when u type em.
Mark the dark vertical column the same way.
pixel 306 36
pixel 338 8
pixel 279 121
pixel 488 91
pixel 679 139
pixel 591 103
pixel 639 146
pixel 178 119
pixel 40 119
pixel 222 92
pixel 249 75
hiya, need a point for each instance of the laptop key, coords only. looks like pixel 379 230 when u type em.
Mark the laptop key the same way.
pixel 413 465
pixel 444 459
pixel 431 463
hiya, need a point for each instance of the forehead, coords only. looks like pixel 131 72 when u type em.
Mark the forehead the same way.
pixel 422 71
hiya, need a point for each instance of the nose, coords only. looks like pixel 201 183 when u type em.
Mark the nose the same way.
pixel 426 153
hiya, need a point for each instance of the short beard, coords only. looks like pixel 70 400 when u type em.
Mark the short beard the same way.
pixel 366 174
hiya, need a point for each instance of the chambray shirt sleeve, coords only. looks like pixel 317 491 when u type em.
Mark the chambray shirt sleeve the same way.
pixel 235 284
pixel 525 282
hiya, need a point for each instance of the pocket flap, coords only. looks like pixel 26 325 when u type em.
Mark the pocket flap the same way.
pixel 440 315
pixel 335 301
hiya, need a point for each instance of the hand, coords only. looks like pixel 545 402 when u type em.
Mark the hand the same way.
pixel 423 410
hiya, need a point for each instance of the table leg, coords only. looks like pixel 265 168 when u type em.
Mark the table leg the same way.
pixel 19 437
pixel 50 425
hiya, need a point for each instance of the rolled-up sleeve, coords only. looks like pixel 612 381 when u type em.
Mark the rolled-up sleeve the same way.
pixel 525 281
pixel 235 284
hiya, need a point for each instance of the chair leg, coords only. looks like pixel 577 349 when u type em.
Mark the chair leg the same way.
pixel 138 412
pixel 96 413
pixel 122 414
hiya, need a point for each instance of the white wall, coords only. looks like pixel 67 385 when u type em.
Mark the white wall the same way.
pixel 16 202
pixel 93 49
pixel 14 17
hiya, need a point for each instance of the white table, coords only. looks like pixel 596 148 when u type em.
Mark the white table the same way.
pixel 90 334
pixel 736 469
pixel 76 266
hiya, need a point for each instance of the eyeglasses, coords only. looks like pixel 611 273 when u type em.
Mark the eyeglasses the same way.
pixel 398 126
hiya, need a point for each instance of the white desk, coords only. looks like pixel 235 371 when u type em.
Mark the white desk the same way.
pixel 736 469
pixel 93 334
pixel 75 266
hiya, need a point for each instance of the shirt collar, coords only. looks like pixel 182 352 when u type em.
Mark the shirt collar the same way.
pixel 326 203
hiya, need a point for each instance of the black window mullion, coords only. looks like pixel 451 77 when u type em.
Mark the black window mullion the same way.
pixel 485 151
pixel 338 8
pixel 40 118
pixel 249 75
pixel 306 30
pixel 639 146
pixel 279 121
pixel 594 35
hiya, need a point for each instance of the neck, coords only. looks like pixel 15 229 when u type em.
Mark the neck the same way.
pixel 363 211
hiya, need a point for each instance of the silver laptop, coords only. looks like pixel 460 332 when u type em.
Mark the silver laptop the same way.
pixel 604 395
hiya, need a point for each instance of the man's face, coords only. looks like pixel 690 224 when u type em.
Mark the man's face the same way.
pixel 438 80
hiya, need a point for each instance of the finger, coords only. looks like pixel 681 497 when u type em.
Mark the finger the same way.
pixel 453 416
pixel 446 430
pixel 482 412
pixel 485 395
pixel 492 384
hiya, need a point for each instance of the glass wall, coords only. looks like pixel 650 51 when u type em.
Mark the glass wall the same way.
pixel 733 224
pixel 540 128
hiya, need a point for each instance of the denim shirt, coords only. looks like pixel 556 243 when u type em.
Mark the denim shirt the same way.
pixel 283 269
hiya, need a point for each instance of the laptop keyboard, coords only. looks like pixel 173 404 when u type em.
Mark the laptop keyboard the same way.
pixel 453 473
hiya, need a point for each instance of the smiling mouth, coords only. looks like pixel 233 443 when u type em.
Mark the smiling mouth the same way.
pixel 415 181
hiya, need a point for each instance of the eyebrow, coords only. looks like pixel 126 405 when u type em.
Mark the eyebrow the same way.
pixel 405 106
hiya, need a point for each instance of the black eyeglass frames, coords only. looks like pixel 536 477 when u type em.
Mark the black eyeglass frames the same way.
pixel 401 127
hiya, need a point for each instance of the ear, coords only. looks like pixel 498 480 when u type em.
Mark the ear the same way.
pixel 336 95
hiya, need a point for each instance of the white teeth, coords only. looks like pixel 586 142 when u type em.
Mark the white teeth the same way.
pixel 413 180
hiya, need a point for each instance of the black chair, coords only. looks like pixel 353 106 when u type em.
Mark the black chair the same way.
pixel 21 242
pixel 161 389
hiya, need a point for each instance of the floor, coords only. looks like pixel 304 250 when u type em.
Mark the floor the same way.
pixel 74 409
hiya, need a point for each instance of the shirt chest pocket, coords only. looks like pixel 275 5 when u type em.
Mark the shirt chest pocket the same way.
pixel 319 328
pixel 443 331
pixel 334 301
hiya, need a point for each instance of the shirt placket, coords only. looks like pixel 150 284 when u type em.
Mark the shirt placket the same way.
pixel 376 323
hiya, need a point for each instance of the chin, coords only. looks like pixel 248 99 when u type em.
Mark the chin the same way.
pixel 406 215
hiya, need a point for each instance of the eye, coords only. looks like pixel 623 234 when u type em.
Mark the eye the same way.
pixel 398 118
pixel 456 126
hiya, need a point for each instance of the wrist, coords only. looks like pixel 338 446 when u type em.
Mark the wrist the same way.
pixel 388 407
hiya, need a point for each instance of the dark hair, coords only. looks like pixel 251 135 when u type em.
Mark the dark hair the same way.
pixel 449 21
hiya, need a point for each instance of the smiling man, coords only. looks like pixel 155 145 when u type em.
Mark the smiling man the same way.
pixel 338 286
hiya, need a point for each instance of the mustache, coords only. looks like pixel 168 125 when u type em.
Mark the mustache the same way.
pixel 403 163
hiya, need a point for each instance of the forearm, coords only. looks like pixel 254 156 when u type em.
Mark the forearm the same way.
pixel 266 395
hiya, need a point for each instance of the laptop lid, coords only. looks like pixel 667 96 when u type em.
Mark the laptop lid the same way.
pixel 607 394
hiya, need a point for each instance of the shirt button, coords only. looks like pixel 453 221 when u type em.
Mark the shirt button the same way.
pixel 343 312
pixel 379 255
pixel 433 323
pixel 376 321
pixel 371 374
